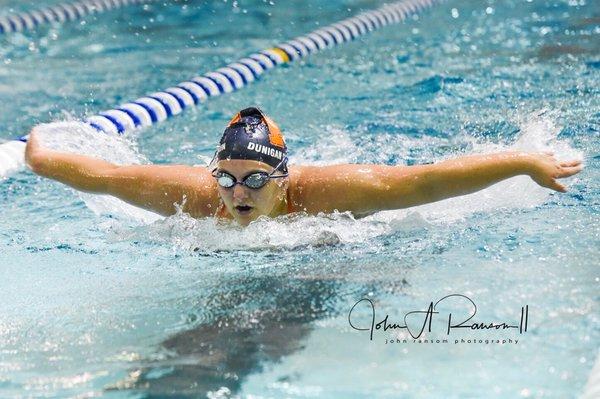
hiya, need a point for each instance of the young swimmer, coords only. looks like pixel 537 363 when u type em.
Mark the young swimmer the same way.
pixel 249 177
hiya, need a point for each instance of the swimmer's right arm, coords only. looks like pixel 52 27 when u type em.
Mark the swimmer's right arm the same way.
pixel 153 187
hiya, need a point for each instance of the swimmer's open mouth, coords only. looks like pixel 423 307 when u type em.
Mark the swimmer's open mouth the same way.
pixel 243 209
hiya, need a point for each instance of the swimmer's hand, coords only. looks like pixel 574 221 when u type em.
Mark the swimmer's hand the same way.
pixel 545 170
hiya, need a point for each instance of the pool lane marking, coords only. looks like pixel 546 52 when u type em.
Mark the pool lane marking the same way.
pixel 159 106
pixel 285 57
pixel 65 12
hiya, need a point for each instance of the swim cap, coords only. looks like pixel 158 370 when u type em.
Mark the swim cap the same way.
pixel 252 135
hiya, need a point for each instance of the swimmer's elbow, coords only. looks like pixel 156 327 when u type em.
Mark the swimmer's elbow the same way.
pixel 36 164
pixel 39 161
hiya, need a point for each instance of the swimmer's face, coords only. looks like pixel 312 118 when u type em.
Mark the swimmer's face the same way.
pixel 247 204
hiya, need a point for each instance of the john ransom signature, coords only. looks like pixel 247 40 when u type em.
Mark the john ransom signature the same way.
pixel 385 324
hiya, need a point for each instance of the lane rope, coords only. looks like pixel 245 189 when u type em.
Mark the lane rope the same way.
pixel 159 106
pixel 59 14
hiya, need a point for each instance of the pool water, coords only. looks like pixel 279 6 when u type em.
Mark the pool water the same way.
pixel 101 299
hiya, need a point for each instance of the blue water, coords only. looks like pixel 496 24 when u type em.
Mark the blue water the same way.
pixel 97 299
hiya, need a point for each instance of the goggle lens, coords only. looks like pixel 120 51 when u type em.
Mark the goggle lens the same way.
pixel 225 180
pixel 255 180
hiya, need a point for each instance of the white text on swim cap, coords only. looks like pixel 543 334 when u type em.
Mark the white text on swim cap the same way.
pixel 263 149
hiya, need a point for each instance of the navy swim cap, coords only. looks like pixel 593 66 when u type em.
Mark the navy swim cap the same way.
pixel 252 135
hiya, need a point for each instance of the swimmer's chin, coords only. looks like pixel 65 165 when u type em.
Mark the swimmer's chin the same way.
pixel 244 222
pixel 244 219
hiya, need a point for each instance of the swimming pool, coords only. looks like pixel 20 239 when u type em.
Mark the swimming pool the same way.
pixel 102 300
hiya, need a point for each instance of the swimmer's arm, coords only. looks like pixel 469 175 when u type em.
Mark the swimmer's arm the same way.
pixel 365 189
pixel 468 174
pixel 152 187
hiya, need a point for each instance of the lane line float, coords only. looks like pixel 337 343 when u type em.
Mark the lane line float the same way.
pixel 60 13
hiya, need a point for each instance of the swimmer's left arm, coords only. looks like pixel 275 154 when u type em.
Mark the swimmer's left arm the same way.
pixel 365 189
pixel 468 174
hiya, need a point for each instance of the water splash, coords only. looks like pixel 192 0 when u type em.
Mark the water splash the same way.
pixel 540 130
pixel 81 138
pixel 207 235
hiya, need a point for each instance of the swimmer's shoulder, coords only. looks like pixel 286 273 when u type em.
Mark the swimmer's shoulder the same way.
pixel 202 196
pixel 315 189
pixel 313 175
pixel 304 181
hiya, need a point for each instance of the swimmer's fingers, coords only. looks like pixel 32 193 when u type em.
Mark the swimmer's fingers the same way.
pixel 554 185
pixel 569 171
pixel 550 182
pixel 547 170
pixel 566 164
pixel 562 172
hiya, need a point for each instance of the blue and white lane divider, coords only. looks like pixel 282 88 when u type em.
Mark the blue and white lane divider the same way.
pixel 60 13
pixel 157 107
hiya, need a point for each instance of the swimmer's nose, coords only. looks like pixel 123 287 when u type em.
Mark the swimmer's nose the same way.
pixel 239 192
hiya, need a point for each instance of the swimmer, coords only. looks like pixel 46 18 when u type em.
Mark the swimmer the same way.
pixel 249 177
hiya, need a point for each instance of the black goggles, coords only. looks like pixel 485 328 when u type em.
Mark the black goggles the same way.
pixel 254 180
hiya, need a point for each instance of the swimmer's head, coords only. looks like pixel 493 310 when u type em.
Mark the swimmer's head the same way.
pixel 252 135
pixel 250 166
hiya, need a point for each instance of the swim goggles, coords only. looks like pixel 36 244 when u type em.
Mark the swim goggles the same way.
pixel 254 180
